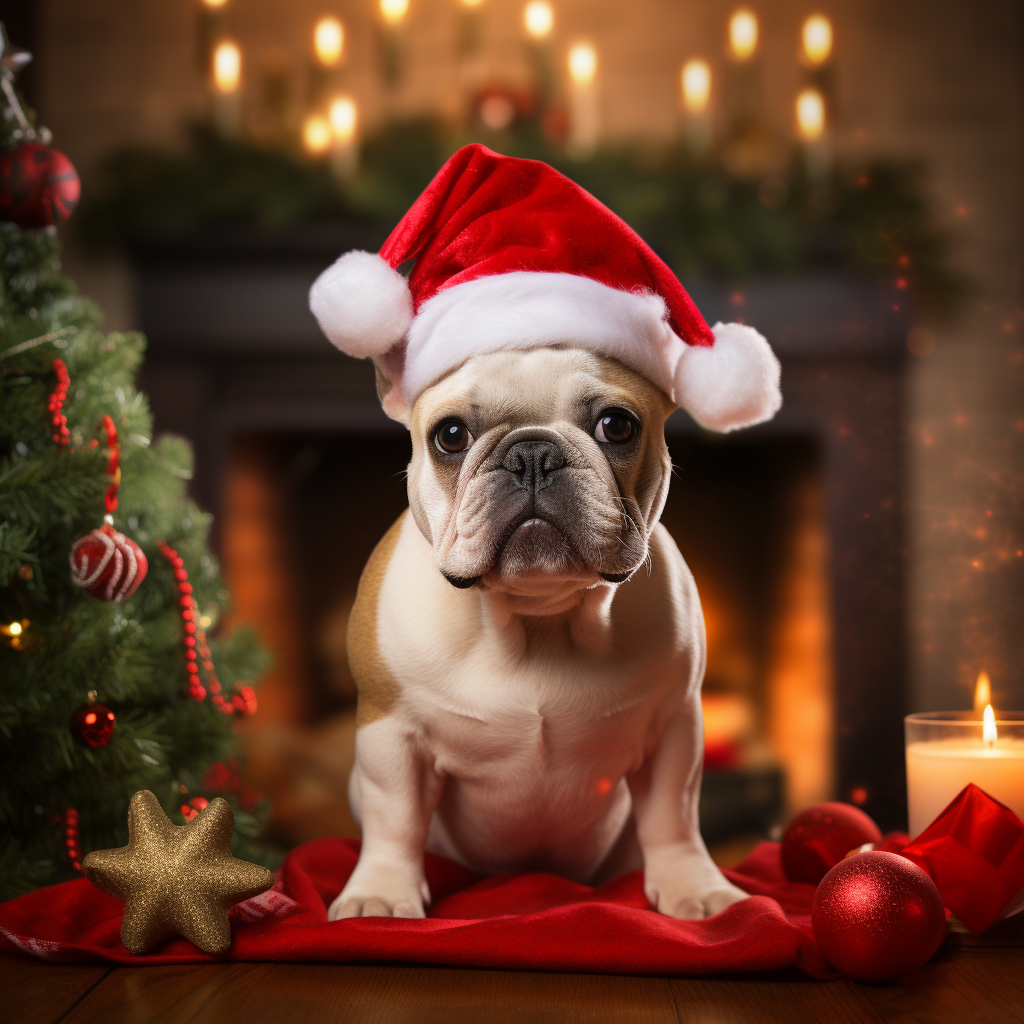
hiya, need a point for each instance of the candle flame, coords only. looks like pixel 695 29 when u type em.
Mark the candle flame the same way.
pixel 817 38
pixel 539 18
pixel 810 114
pixel 227 66
pixel 988 729
pixel 696 85
pixel 982 691
pixel 316 134
pixel 343 117
pixel 328 40
pixel 743 34
pixel 394 10
pixel 582 63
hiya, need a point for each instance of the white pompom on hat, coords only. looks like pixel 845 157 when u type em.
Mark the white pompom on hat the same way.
pixel 510 254
pixel 362 304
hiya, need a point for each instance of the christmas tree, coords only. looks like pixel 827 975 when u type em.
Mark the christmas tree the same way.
pixel 108 684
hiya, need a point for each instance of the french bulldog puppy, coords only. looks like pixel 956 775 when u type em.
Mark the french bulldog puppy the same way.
pixel 529 647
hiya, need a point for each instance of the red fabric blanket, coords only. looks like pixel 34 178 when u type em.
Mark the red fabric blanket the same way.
pixel 518 922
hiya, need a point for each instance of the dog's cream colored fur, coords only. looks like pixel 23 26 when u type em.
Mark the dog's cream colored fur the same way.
pixel 543 719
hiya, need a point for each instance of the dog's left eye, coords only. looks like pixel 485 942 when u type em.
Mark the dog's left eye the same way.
pixel 452 436
pixel 615 426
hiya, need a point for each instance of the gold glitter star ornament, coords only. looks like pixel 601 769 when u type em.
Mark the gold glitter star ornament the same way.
pixel 176 878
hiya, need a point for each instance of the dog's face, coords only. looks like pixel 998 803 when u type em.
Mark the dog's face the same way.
pixel 539 469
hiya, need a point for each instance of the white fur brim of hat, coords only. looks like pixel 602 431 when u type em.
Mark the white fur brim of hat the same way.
pixel 365 308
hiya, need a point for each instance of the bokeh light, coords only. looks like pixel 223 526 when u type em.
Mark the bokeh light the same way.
pixel 817 38
pixel 743 34
pixel 328 40
pixel 539 18
pixel 343 118
pixel 810 115
pixel 696 85
pixel 393 11
pixel 316 134
pixel 582 63
pixel 227 66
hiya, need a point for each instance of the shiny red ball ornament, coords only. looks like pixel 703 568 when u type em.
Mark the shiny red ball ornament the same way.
pixel 93 725
pixel 878 917
pixel 820 837
pixel 39 186
pixel 108 564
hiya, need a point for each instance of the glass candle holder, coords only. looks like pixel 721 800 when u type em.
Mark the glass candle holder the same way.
pixel 947 749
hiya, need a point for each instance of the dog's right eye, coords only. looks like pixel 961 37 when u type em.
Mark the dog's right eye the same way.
pixel 452 437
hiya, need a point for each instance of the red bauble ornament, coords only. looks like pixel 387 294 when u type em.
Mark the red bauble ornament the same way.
pixel 39 186
pixel 820 837
pixel 878 917
pixel 108 564
pixel 93 725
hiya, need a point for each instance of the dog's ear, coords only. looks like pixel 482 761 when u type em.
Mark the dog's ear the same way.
pixel 388 368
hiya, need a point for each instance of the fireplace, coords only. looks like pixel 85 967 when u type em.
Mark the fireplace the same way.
pixel 792 529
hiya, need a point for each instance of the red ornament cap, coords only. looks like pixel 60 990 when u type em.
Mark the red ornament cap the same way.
pixel 93 725
pixel 39 186
pixel 878 917
pixel 107 564
pixel 820 837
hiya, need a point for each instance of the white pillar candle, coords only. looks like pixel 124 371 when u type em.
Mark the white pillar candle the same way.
pixel 947 750
pixel 584 122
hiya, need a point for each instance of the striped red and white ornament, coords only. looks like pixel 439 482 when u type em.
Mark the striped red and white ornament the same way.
pixel 106 563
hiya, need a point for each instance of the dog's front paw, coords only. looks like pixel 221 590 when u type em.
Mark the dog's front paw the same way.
pixel 381 890
pixel 689 887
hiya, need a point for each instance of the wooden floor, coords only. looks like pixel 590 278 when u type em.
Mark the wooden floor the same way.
pixel 961 985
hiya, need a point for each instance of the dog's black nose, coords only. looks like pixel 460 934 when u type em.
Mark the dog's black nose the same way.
pixel 533 463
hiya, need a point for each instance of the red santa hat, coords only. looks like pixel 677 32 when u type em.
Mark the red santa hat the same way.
pixel 510 254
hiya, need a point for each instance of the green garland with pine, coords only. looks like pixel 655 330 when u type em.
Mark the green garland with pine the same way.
pixel 702 214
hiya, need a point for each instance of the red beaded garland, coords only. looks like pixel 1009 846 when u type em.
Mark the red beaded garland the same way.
pixel 197 650
pixel 113 465
pixel 61 434
pixel 71 838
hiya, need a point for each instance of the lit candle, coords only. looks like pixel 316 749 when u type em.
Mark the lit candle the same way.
pixel 539 21
pixel 227 78
pixel 584 123
pixel 947 750
pixel 810 125
pixel 343 118
pixel 393 13
pixel 696 83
